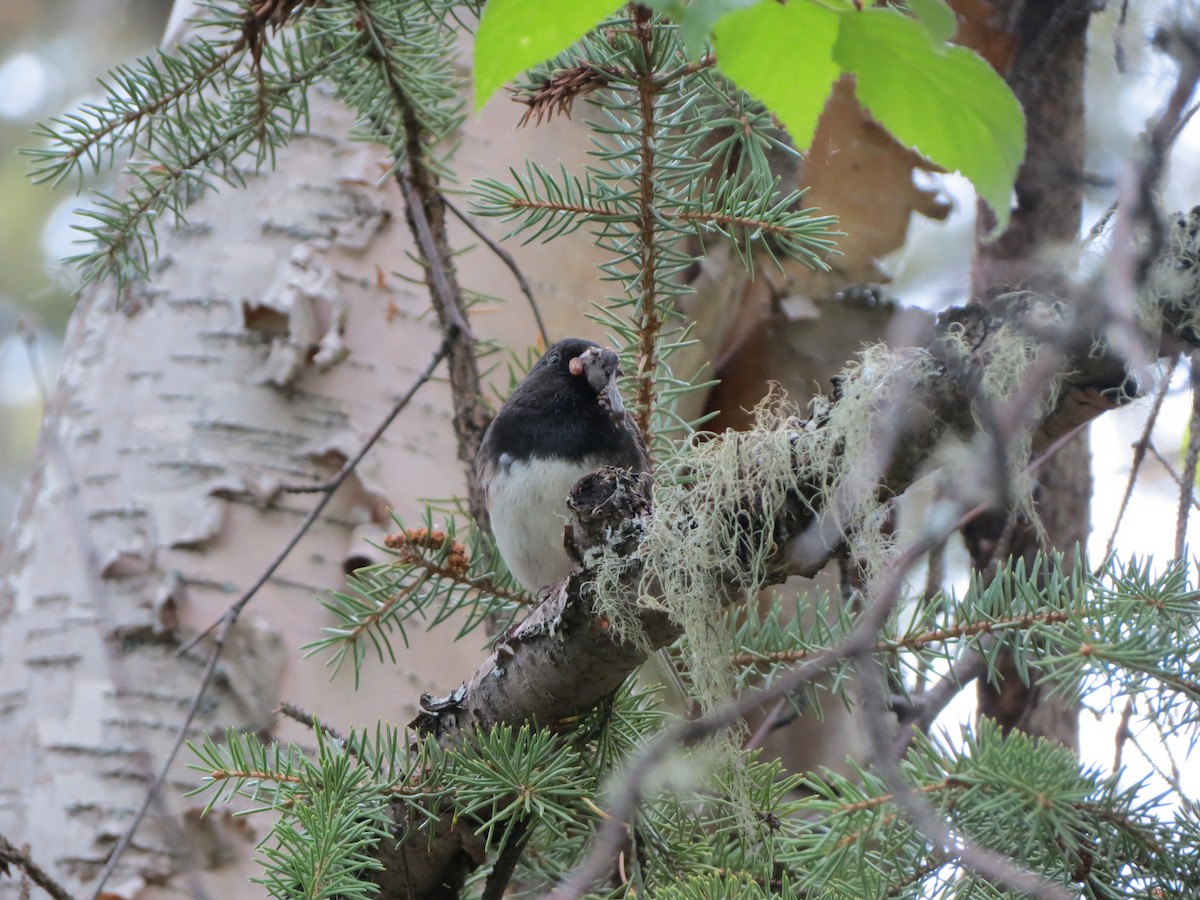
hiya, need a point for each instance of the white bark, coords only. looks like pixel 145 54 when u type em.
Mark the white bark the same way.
pixel 178 414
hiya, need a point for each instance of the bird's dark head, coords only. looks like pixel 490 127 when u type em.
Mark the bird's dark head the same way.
pixel 578 371
pixel 569 406
pixel 560 357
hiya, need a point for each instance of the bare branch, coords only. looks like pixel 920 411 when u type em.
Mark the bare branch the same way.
pixel 11 855
pixel 505 257
pixel 954 844
pixel 328 490
pixel 1139 452
pixel 925 707
pixel 1170 470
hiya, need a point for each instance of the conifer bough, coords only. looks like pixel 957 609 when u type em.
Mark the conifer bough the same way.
pixel 563 659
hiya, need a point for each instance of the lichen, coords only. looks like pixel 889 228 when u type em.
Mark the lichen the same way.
pixel 707 538
pixel 1004 363
pixel 846 456
pixel 712 537
pixel 1173 285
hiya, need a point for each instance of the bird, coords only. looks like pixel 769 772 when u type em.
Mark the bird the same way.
pixel 563 421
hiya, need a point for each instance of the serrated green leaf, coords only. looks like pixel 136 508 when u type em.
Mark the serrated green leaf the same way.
pixel 944 101
pixel 782 55
pixel 937 18
pixel 695 20
pixel 514 35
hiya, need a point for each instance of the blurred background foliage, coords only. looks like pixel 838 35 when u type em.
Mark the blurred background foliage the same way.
pixel 51 53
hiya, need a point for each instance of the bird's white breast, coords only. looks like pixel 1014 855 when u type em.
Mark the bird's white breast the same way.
pixel 528 506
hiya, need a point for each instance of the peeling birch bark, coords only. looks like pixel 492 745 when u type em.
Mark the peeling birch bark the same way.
pixel 181 436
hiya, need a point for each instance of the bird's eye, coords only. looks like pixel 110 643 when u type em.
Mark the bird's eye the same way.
pixel 553 359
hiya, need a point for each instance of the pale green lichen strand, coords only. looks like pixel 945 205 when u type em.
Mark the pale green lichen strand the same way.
pixel 710 536
pixel 1174 280
pixel 1005 364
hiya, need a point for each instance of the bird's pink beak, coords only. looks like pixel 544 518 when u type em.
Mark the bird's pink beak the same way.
pixel 601 366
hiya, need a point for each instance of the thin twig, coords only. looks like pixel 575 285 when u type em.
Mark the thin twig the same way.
pixel 331 487
pixel 955 844
pixel 1139 453
pixel 1123 734
pixel 1119 37
pixel 1170 470
pixel 1138 233
pixel 935 580
pixel 1159 140
pixel 1186 492
pixel 928 705
pixel 307 719
pixel 152 792
pixel 1101 223
pixel 10 854
pixel 1172 778
pixel 771 721
pixel 505 257
pixel 1152 758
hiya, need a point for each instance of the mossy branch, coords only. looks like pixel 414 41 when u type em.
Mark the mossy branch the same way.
pixel 565 657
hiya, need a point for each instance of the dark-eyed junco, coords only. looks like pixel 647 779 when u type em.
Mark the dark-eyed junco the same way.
pixel 564 421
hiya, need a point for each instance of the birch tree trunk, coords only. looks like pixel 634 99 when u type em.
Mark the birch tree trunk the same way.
pixel 276 332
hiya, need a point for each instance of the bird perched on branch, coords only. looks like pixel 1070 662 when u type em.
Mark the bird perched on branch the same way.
pixel 564 421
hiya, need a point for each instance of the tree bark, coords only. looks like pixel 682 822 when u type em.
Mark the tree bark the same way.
pixel 1047 75
pixel 183 407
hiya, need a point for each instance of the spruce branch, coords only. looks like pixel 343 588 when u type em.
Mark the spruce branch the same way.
pixel 545 206
pixel 656 189
pixel 186 120
pixel 511 264
pixel 138 93
pixel 947 840
pixel 917 642
pixel 556 94
pixel 529 677
pixel 433 577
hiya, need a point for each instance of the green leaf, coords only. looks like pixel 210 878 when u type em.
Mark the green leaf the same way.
pixel 944 101
pixel 782 55
pixel 938 18
pixel 514 35
pixel 695 19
